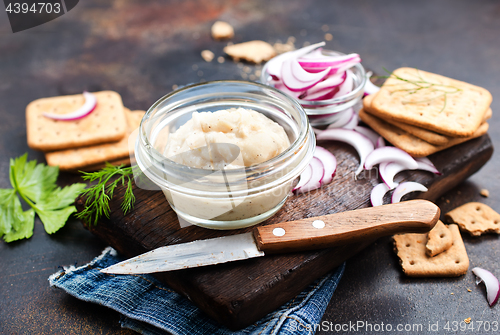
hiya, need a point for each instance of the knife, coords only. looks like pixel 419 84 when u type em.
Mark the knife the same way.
pixel 319 232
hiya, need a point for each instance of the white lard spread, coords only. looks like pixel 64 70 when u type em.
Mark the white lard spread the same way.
pixel 258 138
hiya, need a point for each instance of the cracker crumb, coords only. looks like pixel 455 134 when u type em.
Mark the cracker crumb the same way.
pixel 485 193
pixel 222 30
pixel 325 28
pixel 221 59
pixel 207 55
pixel 328 37
pixel 447 201
pixel 469 290
pixel 174 87
pixel 452 293
pixel 468 320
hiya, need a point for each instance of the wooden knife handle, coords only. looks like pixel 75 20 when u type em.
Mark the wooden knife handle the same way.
pixel 415 216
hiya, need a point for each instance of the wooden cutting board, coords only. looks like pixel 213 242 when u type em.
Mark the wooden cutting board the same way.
pixel 239 293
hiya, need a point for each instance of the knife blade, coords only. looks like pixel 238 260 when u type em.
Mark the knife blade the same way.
pixel 306 234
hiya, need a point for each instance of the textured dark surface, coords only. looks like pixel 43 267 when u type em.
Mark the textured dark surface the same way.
pixel 142 48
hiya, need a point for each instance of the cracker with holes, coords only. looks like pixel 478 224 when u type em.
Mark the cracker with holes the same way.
pixel 415 262
pixel 88 157
pixel 475 218
pixel 105 124
pixel 434 102
pixel 439 239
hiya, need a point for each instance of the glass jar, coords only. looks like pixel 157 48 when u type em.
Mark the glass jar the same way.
pixel 226 198
pixel 324 112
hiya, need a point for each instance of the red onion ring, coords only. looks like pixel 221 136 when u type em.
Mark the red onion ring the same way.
pixel 405 188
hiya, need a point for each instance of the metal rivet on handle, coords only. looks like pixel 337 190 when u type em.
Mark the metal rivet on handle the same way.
pixel 319 224
pixel 278 231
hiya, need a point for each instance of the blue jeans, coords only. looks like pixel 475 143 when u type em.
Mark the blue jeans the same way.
pixel 150 307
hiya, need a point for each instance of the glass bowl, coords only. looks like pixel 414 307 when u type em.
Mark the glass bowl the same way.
pixel 324 112
pixel 226 198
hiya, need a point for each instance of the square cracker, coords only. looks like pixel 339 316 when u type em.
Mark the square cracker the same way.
pixel 462 114
pixel 88 157
pixel 411 251
pixel 439 239
pixel 105 124
pixel 475 218
pixel 409 143
pixel 424 134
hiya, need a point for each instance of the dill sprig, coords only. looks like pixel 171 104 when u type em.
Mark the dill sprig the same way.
pixel 98 195
pixel 423 86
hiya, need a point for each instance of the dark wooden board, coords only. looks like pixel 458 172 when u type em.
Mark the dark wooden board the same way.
pixel 237 294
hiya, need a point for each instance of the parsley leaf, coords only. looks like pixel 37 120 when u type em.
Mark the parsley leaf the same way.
pixel 36 184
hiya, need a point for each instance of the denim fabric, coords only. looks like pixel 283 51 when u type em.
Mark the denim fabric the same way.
pixel 150 307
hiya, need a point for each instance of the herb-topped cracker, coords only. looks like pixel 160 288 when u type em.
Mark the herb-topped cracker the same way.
pixel 430 101
pixel 105 124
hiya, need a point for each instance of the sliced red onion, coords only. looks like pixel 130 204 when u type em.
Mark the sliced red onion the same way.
pixel 296 78
pixel 380 142
pixel 324 94
pixel 377 194
pixel 342 67
pixel 275 64
pixel 324 62
pixel 284 89
pixel 390 154
pixel 353 122
pixel 490 282
pixel 370 88
pixel 427 167
pixel 405 188
pixel 344 118
pixel 87 108
pixel 316 131
pixel 328 83
pixel 329 163
pixel 388 170
pixel 305 176
pixel 373 136
pixel 360 142
pixel 318 172
pixel 316 53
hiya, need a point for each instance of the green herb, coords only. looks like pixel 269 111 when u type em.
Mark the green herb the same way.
pixel 98 196
pixel 36 185
pixel 420 85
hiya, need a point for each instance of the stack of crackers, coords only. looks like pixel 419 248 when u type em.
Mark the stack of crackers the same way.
pixel 423 113
pixel 87 143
